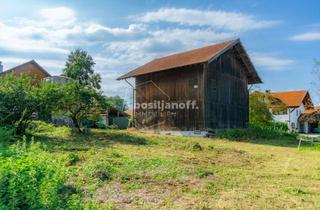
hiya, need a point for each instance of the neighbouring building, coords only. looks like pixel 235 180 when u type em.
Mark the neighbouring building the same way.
pixel 309 120
pixel 115 117
pixel 194 92
pixel 31 68
pixel 295 105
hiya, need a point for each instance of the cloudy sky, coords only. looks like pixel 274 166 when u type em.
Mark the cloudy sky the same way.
pixel 281 37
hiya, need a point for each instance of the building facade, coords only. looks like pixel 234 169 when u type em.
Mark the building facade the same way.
pixel 198 91
pixel 295 105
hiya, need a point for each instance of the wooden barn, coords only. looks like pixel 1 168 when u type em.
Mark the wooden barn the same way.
pixel 194 92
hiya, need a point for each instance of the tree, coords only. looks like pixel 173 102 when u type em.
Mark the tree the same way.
pixel 259 109
pixel 80 103
pixel 18 101
pixel 81 97
pixel 117 102
pixel 49 95
pixel 79 66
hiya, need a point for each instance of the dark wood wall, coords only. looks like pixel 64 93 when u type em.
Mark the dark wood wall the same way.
pixel 222 96
pixel 180 85
pixel 226 97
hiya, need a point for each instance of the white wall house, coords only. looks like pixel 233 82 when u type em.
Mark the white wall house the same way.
pixel 295 102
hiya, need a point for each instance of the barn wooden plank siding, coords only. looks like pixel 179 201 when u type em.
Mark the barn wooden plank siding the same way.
pixel 226 95
pixel 179 86
pixel 216 77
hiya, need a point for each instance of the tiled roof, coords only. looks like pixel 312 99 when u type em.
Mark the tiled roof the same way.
pixel 291 98
pixel 195 56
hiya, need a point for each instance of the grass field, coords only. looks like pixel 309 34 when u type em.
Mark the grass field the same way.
pixel 130 170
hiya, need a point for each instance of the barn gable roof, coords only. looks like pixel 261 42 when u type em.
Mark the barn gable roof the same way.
pixel 32 62
pixel 293 98
pixel 196 56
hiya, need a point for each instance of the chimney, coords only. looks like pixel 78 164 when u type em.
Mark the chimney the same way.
pixel 1 67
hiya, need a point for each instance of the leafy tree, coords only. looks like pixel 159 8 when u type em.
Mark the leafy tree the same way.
pixel 49 94
pixel 18 101
pixel 80 103
pixel 79 66
pixel 117 102
pixel 258 109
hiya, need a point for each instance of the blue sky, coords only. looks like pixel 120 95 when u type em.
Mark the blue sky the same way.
pixel 281 37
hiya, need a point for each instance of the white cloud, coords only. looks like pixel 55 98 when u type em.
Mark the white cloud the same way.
pixel 61 15
pixel 50 36
pixel 163 42
pixel 271 62
pixel 18 38
pixel 217 19
pixel 132 29
pixel 309 36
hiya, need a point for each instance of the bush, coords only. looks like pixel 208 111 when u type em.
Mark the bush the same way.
pixel 40 126
pixel 6 134
pixel 279 126
pixel 32 180
pixel 256 131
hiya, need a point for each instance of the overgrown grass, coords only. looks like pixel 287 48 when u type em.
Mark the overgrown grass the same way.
pixel 112 169
pixel 31 180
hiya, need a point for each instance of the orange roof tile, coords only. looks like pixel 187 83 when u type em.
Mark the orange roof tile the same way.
pixel 195 56
pixel 291 98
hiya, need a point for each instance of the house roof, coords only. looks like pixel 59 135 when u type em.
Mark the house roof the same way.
pixel 32 62
pixel 293 98
pixel 313 109
pixel 196 56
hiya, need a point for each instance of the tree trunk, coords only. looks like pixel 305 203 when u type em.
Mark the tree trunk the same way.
pixel 76 124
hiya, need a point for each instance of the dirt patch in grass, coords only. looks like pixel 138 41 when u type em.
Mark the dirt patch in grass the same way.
pixel 155 194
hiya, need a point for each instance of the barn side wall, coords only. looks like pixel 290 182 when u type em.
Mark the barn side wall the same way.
pixel 226 96
pixel 171 86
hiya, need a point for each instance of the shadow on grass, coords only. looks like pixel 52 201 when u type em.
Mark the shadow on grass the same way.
pixel 84 142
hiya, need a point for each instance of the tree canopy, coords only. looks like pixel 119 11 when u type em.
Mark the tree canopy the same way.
pixel 258 109
pixel 80 67
pixel 117 102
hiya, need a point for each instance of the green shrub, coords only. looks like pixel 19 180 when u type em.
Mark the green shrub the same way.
pixel 40 127
pixel 32 180
pixel 278 126
pixel 256 132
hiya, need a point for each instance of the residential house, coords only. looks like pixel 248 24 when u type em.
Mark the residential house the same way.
pixel 31 68
pixel 194 92
pixel 295 104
